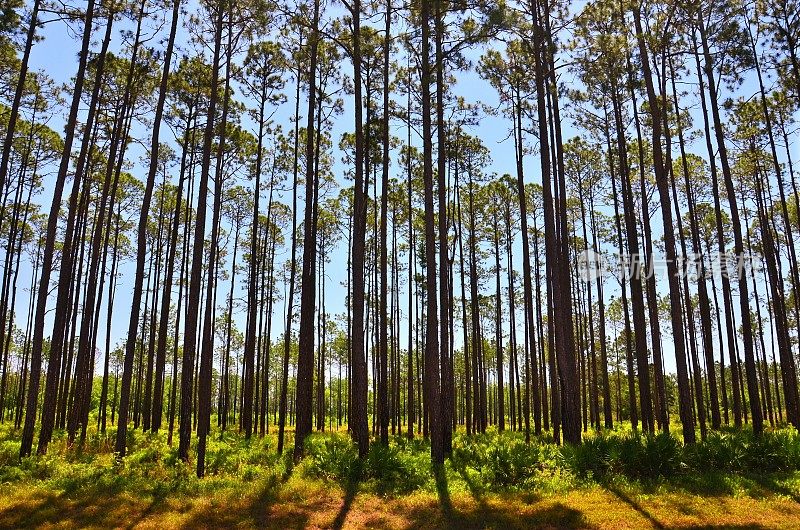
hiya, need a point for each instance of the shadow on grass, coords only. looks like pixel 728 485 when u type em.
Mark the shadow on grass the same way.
pixel 680 507
pixel 715 484
pixel 443 491
pixel 95 501
pixel 773 484
pixel 258 509
pixel 474 489
pixel 159 496
pixel 624 497
pixel 84 510
pixel 505 517
pixel 488 514
pixel 350 491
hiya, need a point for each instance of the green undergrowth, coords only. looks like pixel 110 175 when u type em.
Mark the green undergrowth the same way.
pixel 151 467
pixel 726 463
pixel 661 456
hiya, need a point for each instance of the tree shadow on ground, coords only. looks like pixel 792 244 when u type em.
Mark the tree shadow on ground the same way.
pixel 483 513
pixel 474 489
pixel 716 484
pixel 443 490
pixel 772 483
pixel 81 510
pixel 680 507
pixel 120 506
pixel 495 516
pixel 350 490
pixel 269 503
pixel 627 499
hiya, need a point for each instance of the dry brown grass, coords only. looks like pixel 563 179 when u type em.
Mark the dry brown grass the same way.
pixel 307 504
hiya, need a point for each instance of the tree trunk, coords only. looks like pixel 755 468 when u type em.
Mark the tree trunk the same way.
pixel 305 359
pixel 47 256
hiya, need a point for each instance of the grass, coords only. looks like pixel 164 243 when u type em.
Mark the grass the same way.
pixel 615 480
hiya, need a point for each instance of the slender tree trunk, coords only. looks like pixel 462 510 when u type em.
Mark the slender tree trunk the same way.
pixel 744 299
pixel 196 278
pixel 293 267
pixel 305 359
pixel 431 376
pixel 687 418
pixel 383 389
pixel 31 409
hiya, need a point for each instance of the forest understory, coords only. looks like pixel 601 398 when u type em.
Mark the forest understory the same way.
pixel 616 479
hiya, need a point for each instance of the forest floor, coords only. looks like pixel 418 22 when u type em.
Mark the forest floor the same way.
pixel 248 486
pixel 300 504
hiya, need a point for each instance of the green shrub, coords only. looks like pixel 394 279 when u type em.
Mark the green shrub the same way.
pixel 394 470
pixel 774 451
pixel 719 451
pixel 650 456
pixel 502 460
pixel 39 467
pixel 470 452
pixel 593 458
pixel 512 462
pixel 220 458
pixel 9 453
pixel 492 461
pixel 331 456
pixel 635 455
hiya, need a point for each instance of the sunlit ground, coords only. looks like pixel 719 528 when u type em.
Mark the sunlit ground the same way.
pixel 248 485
